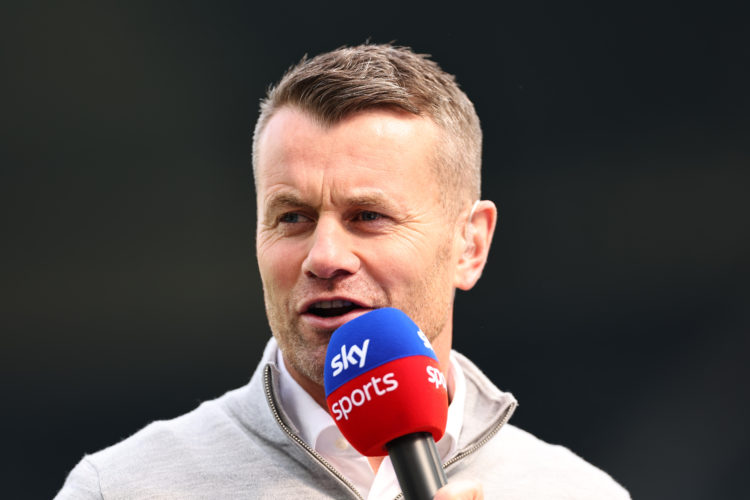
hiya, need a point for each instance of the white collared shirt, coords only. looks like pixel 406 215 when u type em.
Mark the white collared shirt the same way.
pixel 318 429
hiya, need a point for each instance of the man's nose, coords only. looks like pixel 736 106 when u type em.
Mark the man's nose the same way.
pixel 331 253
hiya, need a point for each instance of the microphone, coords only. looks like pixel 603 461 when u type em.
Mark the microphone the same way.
pixel 385 390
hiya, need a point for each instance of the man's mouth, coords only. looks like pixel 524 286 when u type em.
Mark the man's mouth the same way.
pixel 332 308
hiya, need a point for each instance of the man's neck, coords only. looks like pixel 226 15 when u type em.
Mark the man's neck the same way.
pixel 316 391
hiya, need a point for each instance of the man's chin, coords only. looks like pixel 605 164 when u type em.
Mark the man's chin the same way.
pixel 304 349
pixel 306 367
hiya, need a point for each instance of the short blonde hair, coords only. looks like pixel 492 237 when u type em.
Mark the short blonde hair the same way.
pixel 335 84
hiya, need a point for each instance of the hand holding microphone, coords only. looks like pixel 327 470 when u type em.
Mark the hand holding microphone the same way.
pixel 462 489
pixel 386 392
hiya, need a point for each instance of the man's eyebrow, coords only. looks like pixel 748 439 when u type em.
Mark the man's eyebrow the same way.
pixel 293 200
pixel 284 200
pixel 369 200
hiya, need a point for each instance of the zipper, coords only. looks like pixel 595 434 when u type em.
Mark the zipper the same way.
pixel 476 446
pixel 297 439
pixel 485 439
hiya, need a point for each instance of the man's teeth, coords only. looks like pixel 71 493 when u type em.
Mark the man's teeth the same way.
pixel 331 304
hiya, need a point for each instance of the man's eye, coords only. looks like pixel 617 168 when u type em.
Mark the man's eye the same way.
pixel 368 216
pixel 292 218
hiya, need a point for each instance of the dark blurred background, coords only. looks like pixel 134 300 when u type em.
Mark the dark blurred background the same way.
pixel 615 302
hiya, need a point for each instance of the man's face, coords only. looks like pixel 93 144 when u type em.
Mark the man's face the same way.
pixel 350 219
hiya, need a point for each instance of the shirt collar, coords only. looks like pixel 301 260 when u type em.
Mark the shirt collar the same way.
pixel 449 442
pixel 307 415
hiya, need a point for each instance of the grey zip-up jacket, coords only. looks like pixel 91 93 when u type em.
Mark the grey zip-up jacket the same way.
pixel 242 445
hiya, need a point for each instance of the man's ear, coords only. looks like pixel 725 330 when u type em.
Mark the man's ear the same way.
pixel 477 237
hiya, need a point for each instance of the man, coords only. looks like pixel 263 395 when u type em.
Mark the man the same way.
pixel 367 172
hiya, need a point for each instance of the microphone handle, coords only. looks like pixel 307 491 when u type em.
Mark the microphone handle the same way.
pixel 417 464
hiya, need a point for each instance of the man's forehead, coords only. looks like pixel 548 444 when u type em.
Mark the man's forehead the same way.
pixel 293 144
pixel 293 125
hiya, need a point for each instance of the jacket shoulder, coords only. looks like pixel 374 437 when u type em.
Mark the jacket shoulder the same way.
pixel 517 464
pixel 164 451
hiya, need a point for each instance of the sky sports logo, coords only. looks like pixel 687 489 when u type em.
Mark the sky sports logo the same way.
pixel 378 383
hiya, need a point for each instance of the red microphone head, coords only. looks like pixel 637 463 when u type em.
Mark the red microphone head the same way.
pixel 383 381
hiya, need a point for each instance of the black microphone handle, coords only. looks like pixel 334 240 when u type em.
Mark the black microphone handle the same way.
pixel 417 465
